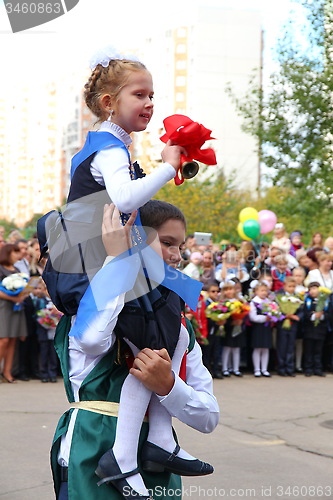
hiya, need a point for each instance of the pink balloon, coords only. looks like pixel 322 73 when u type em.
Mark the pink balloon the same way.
pixel 267 220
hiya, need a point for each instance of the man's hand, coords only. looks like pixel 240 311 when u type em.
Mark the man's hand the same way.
pixel 153 369
pixel 116 237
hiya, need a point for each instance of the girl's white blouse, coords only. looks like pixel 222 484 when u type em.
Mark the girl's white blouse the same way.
pixel 110 169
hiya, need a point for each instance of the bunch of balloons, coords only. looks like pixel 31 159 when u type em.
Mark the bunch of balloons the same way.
pixel 252 223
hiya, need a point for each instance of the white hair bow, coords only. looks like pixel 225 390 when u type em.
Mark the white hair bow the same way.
pixel 105 55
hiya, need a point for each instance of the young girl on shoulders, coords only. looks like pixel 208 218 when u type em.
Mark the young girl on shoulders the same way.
pixel 261 332
pixel 120 93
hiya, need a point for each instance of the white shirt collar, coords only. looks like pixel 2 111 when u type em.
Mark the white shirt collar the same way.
pixel 116 131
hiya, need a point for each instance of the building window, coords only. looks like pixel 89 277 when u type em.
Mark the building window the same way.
pixel 181 64
pixel 181 48
pixel 180 97
pixel 181 32
pixel 180 81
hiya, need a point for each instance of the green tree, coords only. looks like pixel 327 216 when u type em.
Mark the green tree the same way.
pixel 210 203
pixel 8 225
pixel 293 119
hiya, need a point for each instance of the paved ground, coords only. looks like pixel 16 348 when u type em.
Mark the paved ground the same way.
pixel 274 440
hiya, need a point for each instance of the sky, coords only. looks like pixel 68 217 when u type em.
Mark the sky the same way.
pixel 69 41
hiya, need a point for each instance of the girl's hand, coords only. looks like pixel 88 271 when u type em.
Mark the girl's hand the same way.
pixel 115 236
pixel 171 154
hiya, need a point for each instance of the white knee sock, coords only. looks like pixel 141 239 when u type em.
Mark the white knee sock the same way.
pixel 264 359
pixel 256 359
pixel 133 404
pixel 235 358
pixel 225 358
pixel 160 420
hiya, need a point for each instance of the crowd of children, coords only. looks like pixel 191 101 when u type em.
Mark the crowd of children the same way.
pixel 288 328
pixel 289 331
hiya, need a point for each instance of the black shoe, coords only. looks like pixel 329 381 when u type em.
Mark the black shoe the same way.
pixel 53 379
pixel 109 470
pixel 226 373
pixel 44 380
pixel 320 374
pixel 308 374
pixel 291 374
pixel 299 370
pixel 24 378
pixel 218 376
pixel 237 373
pixel 155 459
pixel 281 373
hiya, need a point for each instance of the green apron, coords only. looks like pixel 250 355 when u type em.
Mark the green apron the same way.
pixel 94 433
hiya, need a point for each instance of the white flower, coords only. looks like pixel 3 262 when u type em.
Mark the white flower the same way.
pixel 15 281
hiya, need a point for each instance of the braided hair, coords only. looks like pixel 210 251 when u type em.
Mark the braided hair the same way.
pixel 108 80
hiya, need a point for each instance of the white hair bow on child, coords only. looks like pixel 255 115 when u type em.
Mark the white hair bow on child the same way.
pixel 105 55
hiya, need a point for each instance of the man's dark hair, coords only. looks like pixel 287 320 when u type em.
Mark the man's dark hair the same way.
pixel 156 212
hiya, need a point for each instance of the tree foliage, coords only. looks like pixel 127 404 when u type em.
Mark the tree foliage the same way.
pixel 211 204
pixel 293 120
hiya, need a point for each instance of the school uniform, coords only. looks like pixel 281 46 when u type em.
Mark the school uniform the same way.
pixel 285 344
pixel 48 361
pixel 98 376
pixel 261 332
pixel 314 336
pixel 211 353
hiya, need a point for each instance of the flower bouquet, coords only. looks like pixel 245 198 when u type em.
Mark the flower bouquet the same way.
pixel 13 285
pixel 271 310
pixel 241 310
pixel 49 318
pixel 288 305
pixel 218 311
pixel 201 339
pixel 324 293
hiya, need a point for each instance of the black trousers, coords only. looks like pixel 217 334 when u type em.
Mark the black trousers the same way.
pixel 313 350
pixel 212 353
pixel 285 350
pixel 48 359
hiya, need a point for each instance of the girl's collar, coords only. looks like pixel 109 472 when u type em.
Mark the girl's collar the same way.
pixel 116 131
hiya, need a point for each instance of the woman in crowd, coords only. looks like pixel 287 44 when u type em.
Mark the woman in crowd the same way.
pixel 324 274
pixel 317 241
pixel 13 324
